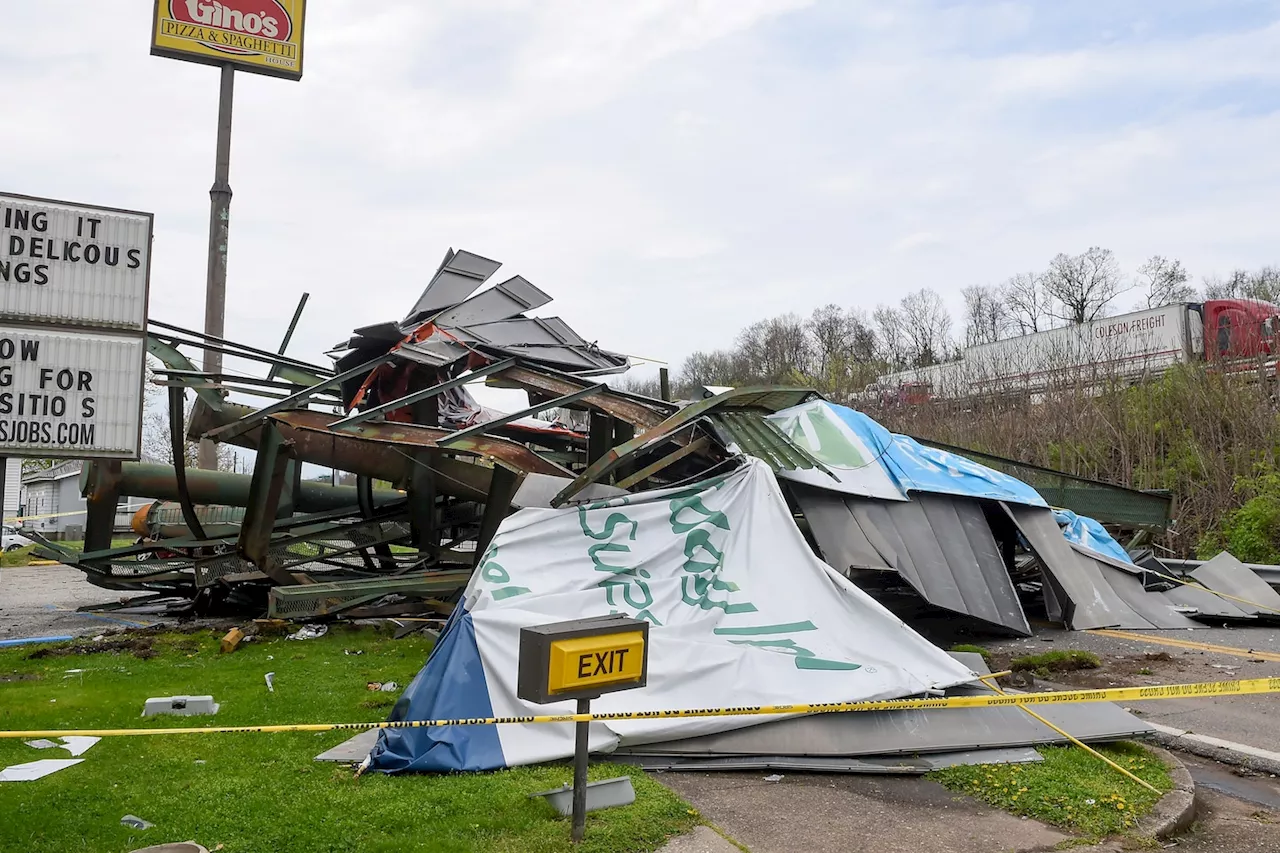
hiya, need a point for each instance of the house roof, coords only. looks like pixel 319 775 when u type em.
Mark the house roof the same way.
pixel 59 471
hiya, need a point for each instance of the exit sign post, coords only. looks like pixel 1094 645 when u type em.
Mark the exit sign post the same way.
pixel 582 659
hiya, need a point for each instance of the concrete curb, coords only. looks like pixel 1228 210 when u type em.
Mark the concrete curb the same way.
pixel 1176 810
pixel 1184 742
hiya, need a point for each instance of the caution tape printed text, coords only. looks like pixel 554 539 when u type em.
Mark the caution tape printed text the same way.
pixel 1112 694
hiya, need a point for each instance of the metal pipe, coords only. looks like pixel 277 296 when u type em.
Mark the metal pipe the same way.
pixel 150 480
pixel 215 290
pixel 582 732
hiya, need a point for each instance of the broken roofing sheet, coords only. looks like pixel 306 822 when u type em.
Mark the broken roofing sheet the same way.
pixel 868 734
pixel 942 546
pixel 951 542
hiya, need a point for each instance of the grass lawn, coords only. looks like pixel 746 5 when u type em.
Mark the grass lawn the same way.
pixel 263 792
pixel 24 555
pixel 1070 788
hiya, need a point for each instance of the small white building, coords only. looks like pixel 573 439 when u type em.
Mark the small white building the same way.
pixel 51 501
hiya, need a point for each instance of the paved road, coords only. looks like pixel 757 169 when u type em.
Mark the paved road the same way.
pixel 39 601
pixel 1249 720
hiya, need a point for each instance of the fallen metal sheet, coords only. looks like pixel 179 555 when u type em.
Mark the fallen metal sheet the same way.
pixel 1250 593
pixel 1209 607
pixel 886 733
pixel 1079 587
pixel 941 545
pixel 916 765
pixel 910 732
pixel 1125 581
pixel 459 275
pixel 508 299
pixel 640 412
pixel 354 749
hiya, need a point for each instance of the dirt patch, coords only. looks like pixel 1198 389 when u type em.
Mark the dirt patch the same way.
pixel 1150 668
pixel 139 644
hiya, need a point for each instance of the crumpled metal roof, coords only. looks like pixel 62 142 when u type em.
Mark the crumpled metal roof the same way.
pixel 941 545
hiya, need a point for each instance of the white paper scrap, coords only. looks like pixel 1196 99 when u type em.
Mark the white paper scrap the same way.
pixel 33 770
pixel 78 745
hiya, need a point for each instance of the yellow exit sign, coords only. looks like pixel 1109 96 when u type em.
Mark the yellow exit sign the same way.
pixel 592 661
pixel 582 658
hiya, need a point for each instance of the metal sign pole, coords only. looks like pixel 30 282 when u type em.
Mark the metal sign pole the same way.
pixel 215 293
pixel 581 732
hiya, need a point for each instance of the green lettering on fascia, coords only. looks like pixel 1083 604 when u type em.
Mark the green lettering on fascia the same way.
pixel 694 504
pixel 756 630
pixel 804 659
pixel 494 573
pixel 629 582
pixel 698 596
pixel 509 592
pixel 610 525
pixel 602 566
pixel 697 540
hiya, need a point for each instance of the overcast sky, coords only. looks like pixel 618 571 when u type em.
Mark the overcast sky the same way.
pixel 668 170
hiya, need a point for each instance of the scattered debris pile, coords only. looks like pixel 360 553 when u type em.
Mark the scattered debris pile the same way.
pixel 428 474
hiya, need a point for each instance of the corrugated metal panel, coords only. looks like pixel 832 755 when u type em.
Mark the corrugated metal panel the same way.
pixel 1225 574
pixel 762 439
pixel 940 544
pixel 459 275
pixel 1080 588
pixel 514 296
pixel 435 352
pixel 96 271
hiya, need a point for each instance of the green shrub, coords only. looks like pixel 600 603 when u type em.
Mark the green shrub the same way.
pixel 977 650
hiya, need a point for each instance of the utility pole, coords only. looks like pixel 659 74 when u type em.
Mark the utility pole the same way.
pixel 215 295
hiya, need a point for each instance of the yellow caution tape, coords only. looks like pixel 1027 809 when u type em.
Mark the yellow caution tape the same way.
pixel 1202 689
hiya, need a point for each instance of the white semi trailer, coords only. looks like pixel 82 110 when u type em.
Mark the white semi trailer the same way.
pixel 1122 348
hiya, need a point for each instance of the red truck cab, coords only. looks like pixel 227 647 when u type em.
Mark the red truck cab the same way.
pixel 1239 328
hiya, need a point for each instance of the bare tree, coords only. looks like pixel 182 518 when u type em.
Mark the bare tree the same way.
pixel 1262 284
pixel 157 444
pixel 718 367
pixel 839 337
pixel 1165 281
pixel 891 336
pixel 829 327
pixel 1082 286
pixel 986 316
pixel 1026 303
pixel 927 327
pixel 776 349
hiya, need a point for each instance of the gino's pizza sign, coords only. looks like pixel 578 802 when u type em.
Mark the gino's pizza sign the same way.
pixel 263 36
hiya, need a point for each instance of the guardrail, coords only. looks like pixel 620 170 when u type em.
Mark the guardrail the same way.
pixel 1270 574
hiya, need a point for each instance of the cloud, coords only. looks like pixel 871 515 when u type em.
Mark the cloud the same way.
pixel 669 170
